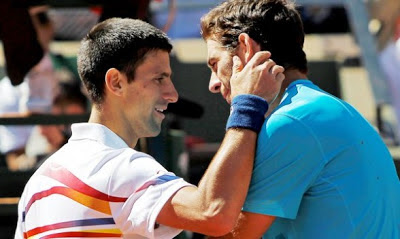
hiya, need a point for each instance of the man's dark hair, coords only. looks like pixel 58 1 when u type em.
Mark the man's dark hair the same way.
pixel 275 24
pixel 120 43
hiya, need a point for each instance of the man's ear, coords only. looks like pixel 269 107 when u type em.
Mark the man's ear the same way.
pixel 114 81
pixel 247 47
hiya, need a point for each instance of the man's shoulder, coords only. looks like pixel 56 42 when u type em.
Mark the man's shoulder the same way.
pixel 134 154
pixel 97 157
pixel 307 100
pixel 304 110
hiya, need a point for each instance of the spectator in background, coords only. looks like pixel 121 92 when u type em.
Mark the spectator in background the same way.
pixel 70 100
pixel 385 26
pixel 170 17
pixel 18 37
pixel 46 139
pixel 389 58
pixel 137 9
pixel 323 19
pixel 34 95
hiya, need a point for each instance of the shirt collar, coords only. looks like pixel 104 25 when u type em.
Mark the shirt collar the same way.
pixel 298 82
pixel 96 132
pixel 293 84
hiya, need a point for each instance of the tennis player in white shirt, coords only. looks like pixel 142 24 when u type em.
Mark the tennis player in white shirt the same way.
pixel 98 186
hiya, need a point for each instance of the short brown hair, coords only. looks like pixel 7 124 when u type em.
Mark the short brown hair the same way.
pixel 275 24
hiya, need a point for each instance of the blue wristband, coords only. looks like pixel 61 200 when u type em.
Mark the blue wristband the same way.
pixel 247 111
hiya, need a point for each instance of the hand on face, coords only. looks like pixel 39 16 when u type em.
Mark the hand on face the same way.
pixel 260 76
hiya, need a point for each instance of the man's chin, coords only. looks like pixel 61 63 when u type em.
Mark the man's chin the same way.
pixel 155 132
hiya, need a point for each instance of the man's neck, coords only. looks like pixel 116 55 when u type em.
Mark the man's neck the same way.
pixel 110 120
pixel 290 76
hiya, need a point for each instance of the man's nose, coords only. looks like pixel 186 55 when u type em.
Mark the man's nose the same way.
pixel 215 84
pixel 170 94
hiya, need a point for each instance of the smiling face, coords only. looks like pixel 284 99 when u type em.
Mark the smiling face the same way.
pixel 148 95
pixel 220 62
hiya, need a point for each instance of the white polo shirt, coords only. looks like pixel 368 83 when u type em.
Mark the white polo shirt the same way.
pixel 96 186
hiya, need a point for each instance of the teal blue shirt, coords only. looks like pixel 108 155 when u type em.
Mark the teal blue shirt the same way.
pixel 323 171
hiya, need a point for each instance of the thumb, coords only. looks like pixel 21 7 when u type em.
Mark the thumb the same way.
pixel 237 65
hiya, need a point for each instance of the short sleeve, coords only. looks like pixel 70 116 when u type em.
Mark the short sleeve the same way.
pixel 150 187
pixel 288 159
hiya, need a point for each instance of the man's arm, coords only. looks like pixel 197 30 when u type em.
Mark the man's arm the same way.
pixel 214 206
pixel 249 226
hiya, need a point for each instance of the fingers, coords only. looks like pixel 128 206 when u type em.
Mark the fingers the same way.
pixel 268 65
pixel 276 69
pixel 280 77
pixel 260 76
pixel 237 65
pixel 260 57
pixel 277 72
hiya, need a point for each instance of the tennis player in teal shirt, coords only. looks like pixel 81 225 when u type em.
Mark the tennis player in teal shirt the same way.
pixel 321 170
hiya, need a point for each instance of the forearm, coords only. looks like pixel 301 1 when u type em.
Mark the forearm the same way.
pixel 249 226
pixel 214 206
pixel 225 184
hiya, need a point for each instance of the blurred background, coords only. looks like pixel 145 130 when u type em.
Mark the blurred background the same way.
pixel 353 49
